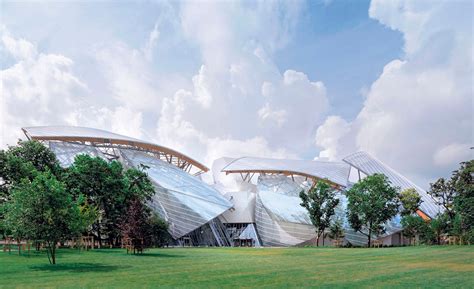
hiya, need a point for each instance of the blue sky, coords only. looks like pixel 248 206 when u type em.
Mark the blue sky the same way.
pixel 340 45
pixel 295 79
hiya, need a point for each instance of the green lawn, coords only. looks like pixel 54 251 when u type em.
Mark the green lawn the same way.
pixel 440 267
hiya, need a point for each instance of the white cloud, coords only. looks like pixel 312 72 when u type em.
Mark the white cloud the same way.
pixel 151 43
pixel 39 88
pixel 451 155
pixel 420 108
pixel 118 119
pixel 128 75
pixel 42 89
pixel 18 48
pixel 266 113
pixel 332 135
pixel 239 100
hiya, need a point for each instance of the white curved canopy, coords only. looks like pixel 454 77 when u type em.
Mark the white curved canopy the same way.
pixel 370 165
pixel 335 172
pixel 102 137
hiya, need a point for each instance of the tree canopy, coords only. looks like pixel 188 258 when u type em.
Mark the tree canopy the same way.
pixel 464 200
pixel 371 202
pixel 109 188
pixel 23 161
pixel 320 202
pixel 92 196
pixel 42 210
pixel 410 200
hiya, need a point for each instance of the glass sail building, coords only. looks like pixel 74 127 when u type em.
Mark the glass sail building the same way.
pixel 190 206
pixel 260 206
pixel 273 185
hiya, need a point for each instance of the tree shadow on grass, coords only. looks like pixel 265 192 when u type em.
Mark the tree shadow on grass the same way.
pixel 77 267
pixel 123 252
pixel 161 255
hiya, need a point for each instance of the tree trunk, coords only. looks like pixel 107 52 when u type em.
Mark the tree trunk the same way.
pixel 53 253
pixel 317 238
pixel 323 238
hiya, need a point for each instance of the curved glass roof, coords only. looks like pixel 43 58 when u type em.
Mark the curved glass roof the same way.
pixel 74 131
pixel 335 172
pixel 182 199
pixel 370 165
pixel 77 133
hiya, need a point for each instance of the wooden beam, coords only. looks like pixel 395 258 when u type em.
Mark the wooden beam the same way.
pixel 282 172
pixel 129 144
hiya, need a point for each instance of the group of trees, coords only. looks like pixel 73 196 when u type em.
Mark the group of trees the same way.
pixel 41 201
pixel 456 198
pixel 373 201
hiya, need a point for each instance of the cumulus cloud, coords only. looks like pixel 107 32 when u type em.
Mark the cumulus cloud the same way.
pixel 128 76
pixel 120 119
pixel 42 89
pixel 38 88
pixel 418 114
pixel 333 135
pixel 239 102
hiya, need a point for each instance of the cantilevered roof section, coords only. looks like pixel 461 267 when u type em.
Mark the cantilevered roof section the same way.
pixel 370 165
pixel 335 172
pixel 99 137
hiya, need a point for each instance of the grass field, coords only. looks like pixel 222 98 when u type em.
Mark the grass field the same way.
pixel 408 267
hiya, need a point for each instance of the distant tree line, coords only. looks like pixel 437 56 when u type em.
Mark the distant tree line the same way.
pixel 43 202
pixel 373 201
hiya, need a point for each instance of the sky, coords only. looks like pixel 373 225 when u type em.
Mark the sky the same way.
pixel 282 79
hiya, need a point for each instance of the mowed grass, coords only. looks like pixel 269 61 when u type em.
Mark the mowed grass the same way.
pixel 407 267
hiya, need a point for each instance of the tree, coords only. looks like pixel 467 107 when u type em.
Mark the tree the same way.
pixel 158 231
pixel 336 231
pixel 371 202
pixel 109 188
pixel 42 210
pixel 415 226
pixel 320 202
pixel 456 195
pixel 464 201
pixel 444 191
pixel 410 200
pixel 138 184
pixel 102 183
pixel 440 225
pixel 23 161
pixel 135 225
pixel 41 157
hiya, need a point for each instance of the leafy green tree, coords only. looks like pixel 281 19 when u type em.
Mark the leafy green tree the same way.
pixel 410 200
pixel 138 184
pixel 109 188
pixel 336 231
pixel 464 201
pixel 320 202
pixel 158 231
pixel 135 226
pixel 41 157
pixel 103 185
pixel 415 226
pixel 22 161
pixel 440 225
pixel 42 210
pixel 444 191
pixel 371 203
